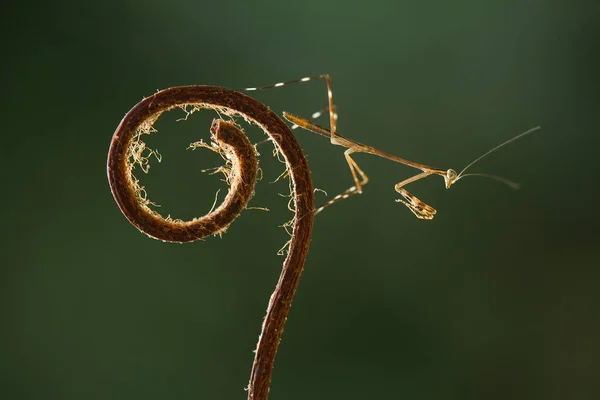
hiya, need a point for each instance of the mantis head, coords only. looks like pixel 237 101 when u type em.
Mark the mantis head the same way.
pixel 450 177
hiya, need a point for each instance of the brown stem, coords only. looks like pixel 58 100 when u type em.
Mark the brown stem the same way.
pixel 128 195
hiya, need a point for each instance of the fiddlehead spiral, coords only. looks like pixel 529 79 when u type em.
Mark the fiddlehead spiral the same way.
pixel 241 153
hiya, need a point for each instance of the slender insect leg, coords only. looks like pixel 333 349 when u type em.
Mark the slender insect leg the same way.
pixel 354 168
pixel 332 113
pixel 332 119
pixel 419 208
pixel 280 84
pixel 358 183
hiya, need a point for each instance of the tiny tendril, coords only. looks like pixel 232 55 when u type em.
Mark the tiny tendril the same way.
pixel 130 197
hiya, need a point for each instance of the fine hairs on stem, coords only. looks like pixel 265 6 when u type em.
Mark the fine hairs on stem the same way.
pixel 132 202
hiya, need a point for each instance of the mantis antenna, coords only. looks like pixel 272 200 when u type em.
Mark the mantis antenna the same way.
pixel 513 185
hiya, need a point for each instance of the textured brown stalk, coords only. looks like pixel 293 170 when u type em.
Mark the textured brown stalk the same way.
pixel 243 176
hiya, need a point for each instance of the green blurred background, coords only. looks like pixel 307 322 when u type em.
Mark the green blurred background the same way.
pixel 497 298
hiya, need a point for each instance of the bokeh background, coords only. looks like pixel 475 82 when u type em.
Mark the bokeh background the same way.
pixel 496 298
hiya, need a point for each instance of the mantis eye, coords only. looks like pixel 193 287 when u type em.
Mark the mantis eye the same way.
pixel 451 175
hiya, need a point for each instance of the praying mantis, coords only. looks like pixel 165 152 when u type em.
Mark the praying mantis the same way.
pixel 418 207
